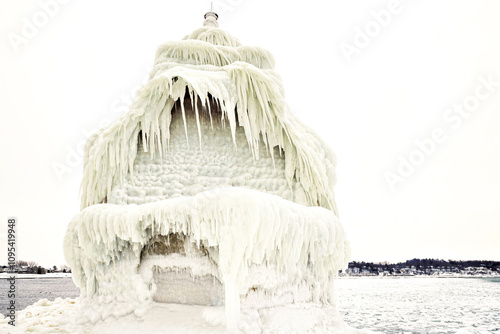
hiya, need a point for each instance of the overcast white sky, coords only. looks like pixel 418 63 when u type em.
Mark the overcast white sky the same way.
pixel 371 97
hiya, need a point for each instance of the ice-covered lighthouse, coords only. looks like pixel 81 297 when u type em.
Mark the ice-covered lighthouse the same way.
pixel 208 191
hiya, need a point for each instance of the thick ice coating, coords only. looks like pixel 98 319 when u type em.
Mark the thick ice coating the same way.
pixel 243 227
pixel 208 176
pixel 247 92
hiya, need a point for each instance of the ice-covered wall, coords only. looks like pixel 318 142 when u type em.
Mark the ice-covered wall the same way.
pixel 191 167
pixel 304 247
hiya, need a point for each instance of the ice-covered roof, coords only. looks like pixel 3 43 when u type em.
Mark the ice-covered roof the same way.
pixel 210 65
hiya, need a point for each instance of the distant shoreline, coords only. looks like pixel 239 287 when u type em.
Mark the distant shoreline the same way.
pixel 417 276
pixel 35 276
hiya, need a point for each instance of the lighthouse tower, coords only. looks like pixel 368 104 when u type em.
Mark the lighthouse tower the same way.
pixel 208 191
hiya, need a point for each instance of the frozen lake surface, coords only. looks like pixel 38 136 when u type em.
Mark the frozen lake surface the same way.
pixel 31 290
pixel 421 305
pixel 390 305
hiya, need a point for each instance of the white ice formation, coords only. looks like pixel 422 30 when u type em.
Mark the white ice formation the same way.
pixel 210 184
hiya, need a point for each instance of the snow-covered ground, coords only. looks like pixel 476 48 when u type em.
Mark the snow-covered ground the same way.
pixel 388 305
pixel 61 316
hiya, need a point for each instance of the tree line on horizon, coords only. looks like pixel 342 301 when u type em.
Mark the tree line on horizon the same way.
pixel 31 267
pixel 428 263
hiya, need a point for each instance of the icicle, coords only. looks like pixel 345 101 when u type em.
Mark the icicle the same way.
pixel 210 113
pixel 185 121
pixel 197 118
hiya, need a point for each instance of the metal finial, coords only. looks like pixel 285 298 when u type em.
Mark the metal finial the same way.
pixel 211 17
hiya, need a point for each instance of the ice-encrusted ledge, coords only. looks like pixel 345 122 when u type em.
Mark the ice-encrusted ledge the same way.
pixel 103 244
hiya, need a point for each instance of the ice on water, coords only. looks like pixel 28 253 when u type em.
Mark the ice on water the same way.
pixel 421 304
